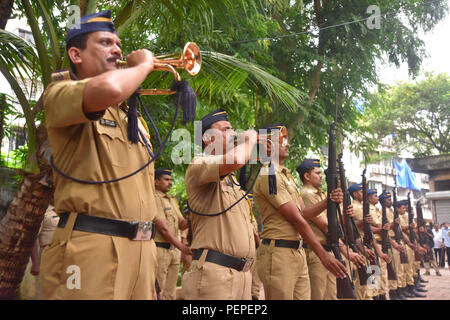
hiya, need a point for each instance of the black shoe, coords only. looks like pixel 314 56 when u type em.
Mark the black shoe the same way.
pixel 419 295
pixel 420 289
pixel 393 295
pixel 255 298
pixel 382 297
pixel 400 295
pixel 407 292
pixel 376 298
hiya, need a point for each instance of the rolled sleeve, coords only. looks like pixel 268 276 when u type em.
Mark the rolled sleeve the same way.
pixel 63 104
pixel 276 200
pixel 205 169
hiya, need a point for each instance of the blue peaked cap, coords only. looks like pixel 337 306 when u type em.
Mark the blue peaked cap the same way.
pixel 100 21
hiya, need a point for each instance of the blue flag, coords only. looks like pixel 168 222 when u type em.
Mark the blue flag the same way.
pixel 405 177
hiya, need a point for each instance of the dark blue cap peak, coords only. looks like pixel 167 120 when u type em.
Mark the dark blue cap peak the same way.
pixel 100 21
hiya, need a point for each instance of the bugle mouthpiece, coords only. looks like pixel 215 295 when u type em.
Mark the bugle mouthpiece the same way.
pixel 121 63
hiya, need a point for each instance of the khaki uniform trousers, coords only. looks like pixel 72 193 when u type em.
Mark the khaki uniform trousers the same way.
pixel 381 284
pixel 167 274
pixel 209 281
pixel 256 282
pixel 362 291
pixel 82 265
pixel 409 278
pixel 322 281
pixel 283 272
pixel 400 269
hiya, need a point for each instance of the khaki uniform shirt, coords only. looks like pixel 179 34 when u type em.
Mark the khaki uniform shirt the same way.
pixel 358 214
pixel 48 226
pixel 230 233
pixel 376 217
pixel 96 148
pixel 311 196
pixel 168 210
pixel 390 218
pixel 404 221
pixel 275 225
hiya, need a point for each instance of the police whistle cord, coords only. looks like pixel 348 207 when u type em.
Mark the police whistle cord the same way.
pixel 153 157
pixel 230 207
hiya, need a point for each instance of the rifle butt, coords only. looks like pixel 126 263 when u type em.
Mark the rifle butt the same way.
pixel 392 275
pixel 363 276
pixel 403 258
pixel 345 288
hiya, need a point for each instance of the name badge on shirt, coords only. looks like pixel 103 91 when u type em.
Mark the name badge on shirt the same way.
pixel 108 123
pixel 168 208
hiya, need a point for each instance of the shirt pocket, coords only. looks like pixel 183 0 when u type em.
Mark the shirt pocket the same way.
pixel 114 143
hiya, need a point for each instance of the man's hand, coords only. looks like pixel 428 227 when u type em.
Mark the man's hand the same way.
pixel 397 220
pixel 334 266
pixel 387 226
pixel 368 219
pixel 141 57
pixel 337 195
pixel 385 257
pixel 357 259
pixel 35 269
pixel 350 211
pixel 186 250
pixel 370 255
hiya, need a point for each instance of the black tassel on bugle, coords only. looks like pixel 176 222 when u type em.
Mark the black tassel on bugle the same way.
pixel 272 179
pixel 243 177
pixel 133 119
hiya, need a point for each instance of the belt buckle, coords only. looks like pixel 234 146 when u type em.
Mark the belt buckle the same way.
pixel 300 244
pixel 143 231
pixel 248 264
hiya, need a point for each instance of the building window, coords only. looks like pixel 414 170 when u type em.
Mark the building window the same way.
pixel 27 35
pixel 441 185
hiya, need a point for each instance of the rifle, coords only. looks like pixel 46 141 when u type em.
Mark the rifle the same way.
pixel 412 233
pixel 386 245
pixel 421 223
pixel 349 223
pixel 397 231
pixel 367 228
pixel 345 288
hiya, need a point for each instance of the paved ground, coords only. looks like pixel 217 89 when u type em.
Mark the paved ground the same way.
pixel 438 287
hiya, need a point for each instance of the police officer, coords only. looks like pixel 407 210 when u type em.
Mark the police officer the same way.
pixel 97 251
pixel 223 239
pixel 396 291
pixel 282 265
pixel 169 221
pixel 364 292
pixel 377 229
pixel 410 290
pixel 322 281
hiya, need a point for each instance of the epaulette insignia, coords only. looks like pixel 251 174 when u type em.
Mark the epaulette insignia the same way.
pixel 61 75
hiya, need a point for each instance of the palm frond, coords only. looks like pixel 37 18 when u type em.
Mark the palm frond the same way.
pixel 18 55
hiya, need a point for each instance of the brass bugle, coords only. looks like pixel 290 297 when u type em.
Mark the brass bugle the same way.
pixel 190 60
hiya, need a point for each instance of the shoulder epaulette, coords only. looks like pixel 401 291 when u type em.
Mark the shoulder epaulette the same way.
pixel 63 75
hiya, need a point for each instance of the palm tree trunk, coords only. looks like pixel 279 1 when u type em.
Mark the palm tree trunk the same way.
pixel 18 230
pixel 20 225
pixel 5 12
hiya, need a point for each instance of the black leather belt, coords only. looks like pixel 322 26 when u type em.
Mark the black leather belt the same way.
pixel 292 244
pixel 133 230
pixel 225 260
pixel 326 247
pixel 164 245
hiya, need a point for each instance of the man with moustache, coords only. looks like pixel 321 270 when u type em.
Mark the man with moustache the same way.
pixel 169 222
pixel 223 239
pixel 103 246
pixel 282 265
pixel 323 282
